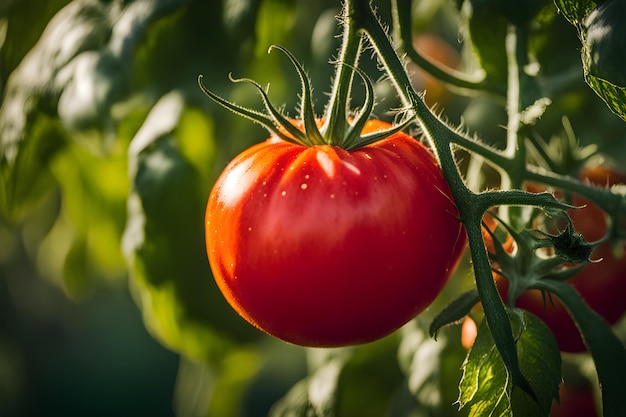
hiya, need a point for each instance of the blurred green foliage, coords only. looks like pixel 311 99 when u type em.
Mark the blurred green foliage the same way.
pixel 108 151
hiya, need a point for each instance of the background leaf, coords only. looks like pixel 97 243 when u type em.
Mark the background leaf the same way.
pixel 164 239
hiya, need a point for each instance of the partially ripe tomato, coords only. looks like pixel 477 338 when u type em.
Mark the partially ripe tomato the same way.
pixel 469 331
pixel 602 285
pixel 320 246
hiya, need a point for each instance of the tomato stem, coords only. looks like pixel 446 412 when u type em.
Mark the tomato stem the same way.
pixel 335 121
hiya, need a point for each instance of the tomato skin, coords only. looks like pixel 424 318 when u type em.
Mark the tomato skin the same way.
pixel 323 247
pixel 574 401
pixel 602 285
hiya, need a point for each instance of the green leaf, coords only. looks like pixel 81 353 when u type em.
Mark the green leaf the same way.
pixel 602 54
pixel 274 23
pixel 38 81
pixel 432 367
pixel 607 351
pixel 316 395
pixel 486 387
pixel 356 382
pixel 614 96
pixel 455 311
pixel 25 177
pixel 487 30
pixel 84 243
pixel 164 241
pixel 23 28
pixel 78 69
pixel 340 379
pixel 575 11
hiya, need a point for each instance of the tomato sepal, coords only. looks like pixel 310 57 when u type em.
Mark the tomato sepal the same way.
pixel 307 133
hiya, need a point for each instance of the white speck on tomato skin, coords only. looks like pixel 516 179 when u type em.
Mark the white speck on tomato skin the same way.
pixel 304 186
pixel 284 193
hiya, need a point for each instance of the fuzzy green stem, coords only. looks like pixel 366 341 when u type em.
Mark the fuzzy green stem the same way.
pixel 602 197
pixel 335 123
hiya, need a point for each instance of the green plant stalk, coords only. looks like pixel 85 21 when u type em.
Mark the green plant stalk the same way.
pixel 335 123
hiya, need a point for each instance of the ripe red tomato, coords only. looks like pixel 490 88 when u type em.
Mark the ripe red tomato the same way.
pixel 319 246
pixel 602 285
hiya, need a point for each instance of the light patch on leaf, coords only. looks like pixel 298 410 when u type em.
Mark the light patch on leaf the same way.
pixel 486 387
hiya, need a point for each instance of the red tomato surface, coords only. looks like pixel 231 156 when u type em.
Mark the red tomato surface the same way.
pixel 574 401
pixel 602 285
pixel 319 246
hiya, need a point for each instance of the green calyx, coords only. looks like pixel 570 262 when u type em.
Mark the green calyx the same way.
pixel 567 254
pixel 310 134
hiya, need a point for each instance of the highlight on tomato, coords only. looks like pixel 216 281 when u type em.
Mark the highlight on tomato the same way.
pixel 324 240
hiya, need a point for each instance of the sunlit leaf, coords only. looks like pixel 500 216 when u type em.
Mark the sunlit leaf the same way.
pixel 575 10
pixel 316 395
pixel 78 69
pixel 602 55
pixel 486 387
pixel 486 31
pixel 23 29
pixel 432 367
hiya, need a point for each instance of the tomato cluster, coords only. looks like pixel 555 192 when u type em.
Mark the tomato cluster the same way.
pixel 320 246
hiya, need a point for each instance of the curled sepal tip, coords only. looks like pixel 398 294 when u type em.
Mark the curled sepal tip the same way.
pixel 353 136
pixel 306 104
pixel 256 116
